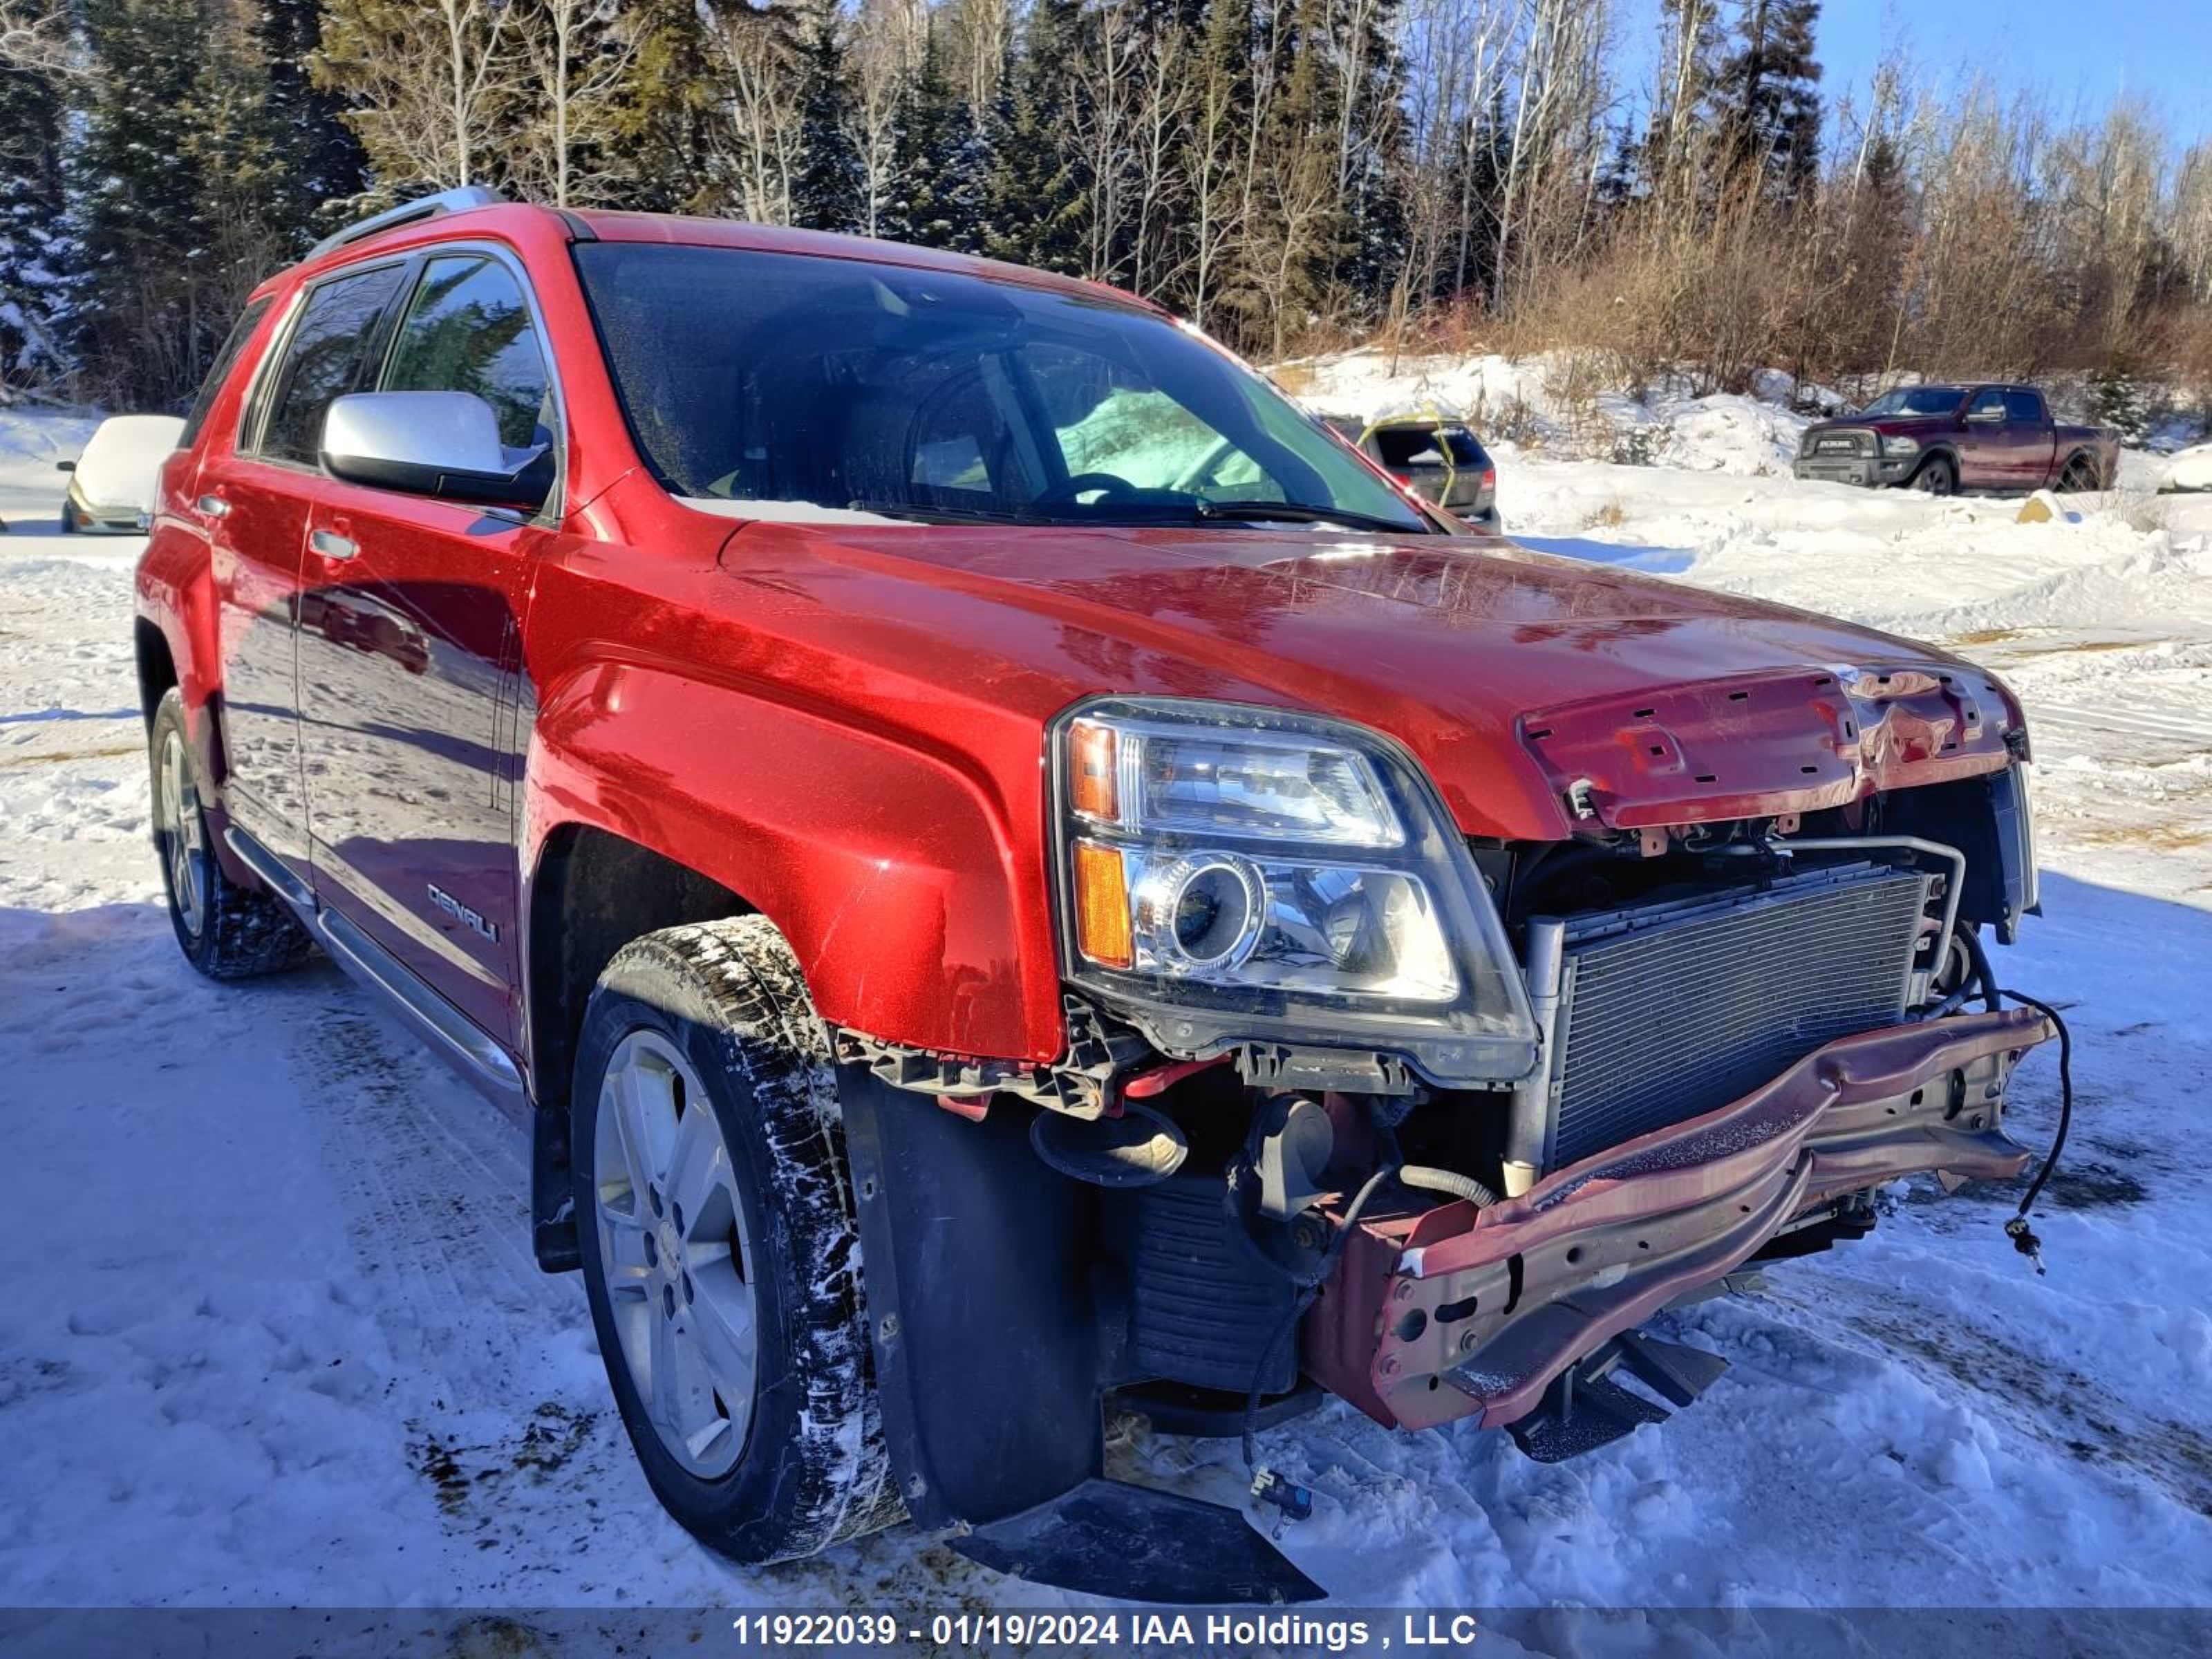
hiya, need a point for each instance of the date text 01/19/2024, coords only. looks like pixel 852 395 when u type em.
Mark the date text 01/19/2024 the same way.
pixel 1103 1629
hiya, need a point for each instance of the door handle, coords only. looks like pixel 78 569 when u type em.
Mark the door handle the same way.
pixel 331 545
pixel 214 506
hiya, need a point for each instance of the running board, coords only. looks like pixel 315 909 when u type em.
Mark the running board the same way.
pixel 1139 1544
pixel 370 964
pixel 1585 1409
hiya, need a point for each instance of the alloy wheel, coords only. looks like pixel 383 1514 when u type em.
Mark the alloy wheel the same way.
pixel 674 1255
pixel 183 840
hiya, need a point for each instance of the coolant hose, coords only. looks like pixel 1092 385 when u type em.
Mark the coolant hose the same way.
pixel 1446 1180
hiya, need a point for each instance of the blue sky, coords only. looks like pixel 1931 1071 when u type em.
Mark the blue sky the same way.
pixel 2081 52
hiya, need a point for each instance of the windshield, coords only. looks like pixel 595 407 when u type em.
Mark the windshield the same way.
pixel 1916 400
pixel 807 387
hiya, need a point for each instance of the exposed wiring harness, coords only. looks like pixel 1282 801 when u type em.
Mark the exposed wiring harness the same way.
pixel 1993 996
pixel 1295 1501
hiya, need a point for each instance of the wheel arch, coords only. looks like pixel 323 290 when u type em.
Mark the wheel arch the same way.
pixel 591 892
pixel 2082 452
pixel 157 667
pixel 1945 452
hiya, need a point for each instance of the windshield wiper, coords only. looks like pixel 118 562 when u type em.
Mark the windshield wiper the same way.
pixel 1300 512
pixel 923 515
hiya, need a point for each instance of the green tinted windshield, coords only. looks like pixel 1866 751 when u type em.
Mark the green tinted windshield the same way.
pixel 801 382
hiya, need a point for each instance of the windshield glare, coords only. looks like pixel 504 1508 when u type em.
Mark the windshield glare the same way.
pixel 1916 400
pixel 827 385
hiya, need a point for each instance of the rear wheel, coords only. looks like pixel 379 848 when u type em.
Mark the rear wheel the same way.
pixel 226 931
pixel 720 1250
pixel 2079 476
pixel 1935 477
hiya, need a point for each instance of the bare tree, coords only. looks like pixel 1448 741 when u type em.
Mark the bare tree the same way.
pixel 979 34
pixel 35 36
pixel 761 128
pixel 433 86
pixel 890 39
pixel 580 52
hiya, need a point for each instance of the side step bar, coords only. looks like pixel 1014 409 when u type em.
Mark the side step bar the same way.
pixel 451 1032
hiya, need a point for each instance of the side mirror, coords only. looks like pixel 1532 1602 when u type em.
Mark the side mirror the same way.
pixel 1985 417
pixel 441 444
pixel 65 466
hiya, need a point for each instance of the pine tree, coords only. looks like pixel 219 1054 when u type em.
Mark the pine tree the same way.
pixel 143 316
pixel 32 250
pixel 663 119
pixel 1031 206
pixel 323 166
pixel 826 195
pixel 942 174
pixel 1766 94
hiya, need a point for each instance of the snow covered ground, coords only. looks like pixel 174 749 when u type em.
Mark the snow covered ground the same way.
pixel 269 1332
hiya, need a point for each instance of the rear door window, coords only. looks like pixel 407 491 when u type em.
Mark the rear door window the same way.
pixel 468 328
pixel 2024 407
pixel 326 358
pixel 225 361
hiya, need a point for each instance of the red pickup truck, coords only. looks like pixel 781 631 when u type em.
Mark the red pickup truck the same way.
pixel 1943 439
pixel 980 926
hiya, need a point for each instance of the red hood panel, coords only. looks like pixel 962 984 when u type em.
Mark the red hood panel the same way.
pixel 1511 675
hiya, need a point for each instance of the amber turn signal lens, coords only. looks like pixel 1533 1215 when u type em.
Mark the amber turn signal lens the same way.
pixel 1102 905
pixel 1092 753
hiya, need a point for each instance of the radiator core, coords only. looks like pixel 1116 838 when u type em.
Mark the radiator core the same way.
pixel 1669 1010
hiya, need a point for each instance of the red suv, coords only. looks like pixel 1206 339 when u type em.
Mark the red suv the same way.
pixel 987 915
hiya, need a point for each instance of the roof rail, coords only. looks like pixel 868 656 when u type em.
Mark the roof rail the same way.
pixel 408 213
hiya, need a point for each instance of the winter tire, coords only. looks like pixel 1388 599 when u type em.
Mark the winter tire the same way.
pixel 1934 478
pixel 718 1243
pixel 226 931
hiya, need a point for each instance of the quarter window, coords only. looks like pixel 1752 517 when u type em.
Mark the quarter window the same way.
pixel 324 360
pixel 469 329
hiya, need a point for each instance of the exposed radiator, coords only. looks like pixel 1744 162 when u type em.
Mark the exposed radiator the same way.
pixel 1669 1010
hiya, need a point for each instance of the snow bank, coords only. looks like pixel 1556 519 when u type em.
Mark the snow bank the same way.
pixel 1538 403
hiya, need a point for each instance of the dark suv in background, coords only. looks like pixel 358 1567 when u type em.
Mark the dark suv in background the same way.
pixel 1437 457
pixel 1939 440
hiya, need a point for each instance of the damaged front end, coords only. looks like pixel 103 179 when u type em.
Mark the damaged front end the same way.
pixel 1355 1106
pixel 1454 1311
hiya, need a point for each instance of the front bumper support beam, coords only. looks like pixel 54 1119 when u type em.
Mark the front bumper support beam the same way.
pixel 1457 1312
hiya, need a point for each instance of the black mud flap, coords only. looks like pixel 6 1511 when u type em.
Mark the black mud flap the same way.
pixel 1584 1408
pixel 1107 1538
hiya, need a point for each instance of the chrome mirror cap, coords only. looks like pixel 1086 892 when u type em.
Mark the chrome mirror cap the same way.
pixel 444 444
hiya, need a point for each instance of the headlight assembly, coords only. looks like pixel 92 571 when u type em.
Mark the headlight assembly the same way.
pixel 1900 446
pixel 1233 875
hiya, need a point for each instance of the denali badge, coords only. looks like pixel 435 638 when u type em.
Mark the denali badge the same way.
pixel 461 913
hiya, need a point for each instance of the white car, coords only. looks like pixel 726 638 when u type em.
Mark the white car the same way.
pixel 2191 469
pixel 112 482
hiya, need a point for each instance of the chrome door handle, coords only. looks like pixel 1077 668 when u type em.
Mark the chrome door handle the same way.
pixel 331 545
pixel 214 506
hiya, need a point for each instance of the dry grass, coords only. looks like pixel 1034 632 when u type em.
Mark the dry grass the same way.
pixel 1611 516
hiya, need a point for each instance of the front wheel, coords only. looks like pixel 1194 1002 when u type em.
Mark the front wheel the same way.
pixel 1934 478
pixel 720 1250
